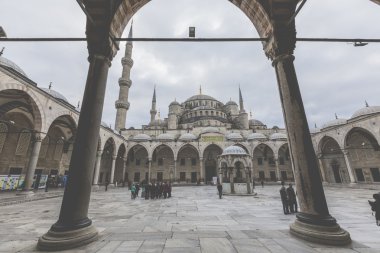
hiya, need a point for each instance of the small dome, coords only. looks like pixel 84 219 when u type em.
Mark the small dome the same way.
pixel 255 122
pixel 335 122
pixel 187 137
pixel 141 137
pixel 210 130
pixel 366 111
pixel 256 137
pixel 158 122
pixel 165 137
pixel 234 150
pixel 10 64
pixel 234 137
pixel 55 94
pixel 174 103
pixel 278 137
pixel 229 103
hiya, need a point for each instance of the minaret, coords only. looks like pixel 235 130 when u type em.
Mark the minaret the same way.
pixel 153 111
pixel 241 104
pixel 243 116
pixel 122 104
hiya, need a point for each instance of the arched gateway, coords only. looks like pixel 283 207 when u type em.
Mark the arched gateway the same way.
pixel 273 20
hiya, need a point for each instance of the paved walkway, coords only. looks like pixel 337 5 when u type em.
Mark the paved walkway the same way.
pixel 194 220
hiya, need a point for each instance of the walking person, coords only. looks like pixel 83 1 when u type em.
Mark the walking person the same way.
pixel 284 198
pixel 137 190
pixel 106 183
pixel 292 199
pixel 262 183
pixel 375 207
pixel 220 189
pixel 169 190
pixel 133 191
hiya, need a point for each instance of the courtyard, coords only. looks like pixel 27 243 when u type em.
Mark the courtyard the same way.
pixel 193 220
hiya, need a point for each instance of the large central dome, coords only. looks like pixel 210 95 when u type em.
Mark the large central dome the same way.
pixel 200 97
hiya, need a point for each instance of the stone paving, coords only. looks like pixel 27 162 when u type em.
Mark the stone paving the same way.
pixel 193 220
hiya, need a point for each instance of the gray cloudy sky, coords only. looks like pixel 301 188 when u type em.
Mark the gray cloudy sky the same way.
pixel 334 77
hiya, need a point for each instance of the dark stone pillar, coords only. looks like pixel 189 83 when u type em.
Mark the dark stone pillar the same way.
pixel 231 177
pixel 314 223
pixel 73 227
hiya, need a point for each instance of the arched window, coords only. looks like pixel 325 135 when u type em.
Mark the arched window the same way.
pixel 3 135
pixel 58 150
pixel 23 142
pixel 44 147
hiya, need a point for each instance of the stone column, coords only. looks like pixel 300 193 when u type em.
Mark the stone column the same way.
pixel 149 170
pixel 113 170
pixel 231 177
pixel 73 227
pixel 97 167
pixel 247 178
pixel 124 170
pixel 175 171
pixel 349 168
pixel 322 168
pixel 32 164
pixel 314 222
pixel 201 170
pixel 278 174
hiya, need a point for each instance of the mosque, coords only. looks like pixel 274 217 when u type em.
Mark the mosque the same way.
pixel 38 129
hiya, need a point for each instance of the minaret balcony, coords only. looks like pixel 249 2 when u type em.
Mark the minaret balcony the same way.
pixel 122 104
pixel 127 62
pixel 125 82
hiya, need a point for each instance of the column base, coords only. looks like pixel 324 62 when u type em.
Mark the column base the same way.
pixel 95 187
pixel 63 240
pixel 324 231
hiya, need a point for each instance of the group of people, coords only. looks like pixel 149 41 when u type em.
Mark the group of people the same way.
pixel 152 190
pixel 288 198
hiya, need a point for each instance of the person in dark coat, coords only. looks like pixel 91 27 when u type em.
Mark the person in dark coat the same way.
pixel 284 198
pixel 147 190
pixel 107 183
pixel 169 190
pixel 165 190
pixel 262 183
pixel 375 207
pixel 220 190
pixel 292 199
pixel 137 189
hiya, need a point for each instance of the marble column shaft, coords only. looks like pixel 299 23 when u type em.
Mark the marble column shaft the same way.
pixel 175 170
pixel 32 164
pixel 113 170
pixel 76 199
pixel 149 170
pixel 202 173
pixel 349 168
pixel 308 180
pixel 97 167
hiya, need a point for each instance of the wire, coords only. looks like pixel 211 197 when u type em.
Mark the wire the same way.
pixel 350 40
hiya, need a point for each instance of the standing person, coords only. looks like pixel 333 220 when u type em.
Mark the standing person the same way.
pixel 133 191
pixel 284 198
pixel 375 207
pixel 153 191
pixel 165 190
pixel 169 190
pixel 137 190
pixel 262 183
pixel 292 199
pixel 147 190
pixel 47 184
pixel 220 189
pixel 107 183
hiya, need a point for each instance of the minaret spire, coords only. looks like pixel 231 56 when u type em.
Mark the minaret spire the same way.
pixel 153 110
pixel 122 104
pixel 241 104
pixel 200 89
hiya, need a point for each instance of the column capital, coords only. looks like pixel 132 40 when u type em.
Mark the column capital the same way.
pixel 99 153
pixel 100 57
pixel 114 157
pixel 281 58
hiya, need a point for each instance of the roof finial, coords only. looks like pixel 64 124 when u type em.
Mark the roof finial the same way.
pixel 315 125
pixel 200 89
pixel 50 85
pixel 336 116
pixel 175 99
pixel 159 114
pixel 78 104
pixel 250 113
pixel 2 51
pixel 366 104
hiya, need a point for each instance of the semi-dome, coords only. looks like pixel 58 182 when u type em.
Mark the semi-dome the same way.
pixel 165 137
pixel 55 94
pixel 256 137
pixel 234 137
pixel 210 130
pixel 141 137
pixel 10 64
pixel 187 137
pixel 234 150
pixel 335 122
pixel 278 137
pixel 366 111
pixel 255 122
pixel 200 97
